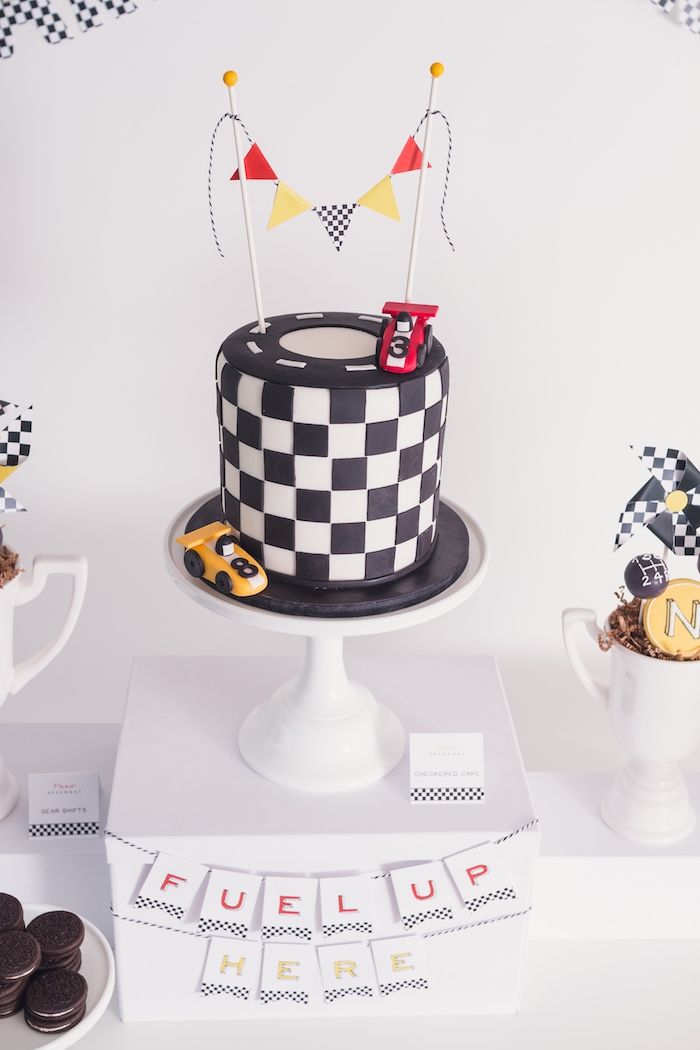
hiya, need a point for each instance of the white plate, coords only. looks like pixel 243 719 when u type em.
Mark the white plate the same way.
pixel 97 969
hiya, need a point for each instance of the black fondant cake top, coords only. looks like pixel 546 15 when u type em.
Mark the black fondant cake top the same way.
pixel 267 357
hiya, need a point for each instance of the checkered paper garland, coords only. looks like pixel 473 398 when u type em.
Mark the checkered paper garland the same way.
pixel 687 12
pixel 668 504
pixel 50 24
pixel 336 220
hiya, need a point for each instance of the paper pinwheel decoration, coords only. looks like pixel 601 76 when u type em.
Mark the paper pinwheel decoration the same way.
pixel 15 445
pixel 669 503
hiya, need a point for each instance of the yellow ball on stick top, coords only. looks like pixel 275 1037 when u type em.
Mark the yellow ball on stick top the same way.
pixel 230 78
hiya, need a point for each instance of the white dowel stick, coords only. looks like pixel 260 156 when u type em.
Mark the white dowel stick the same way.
pixel 230 79
pixel 436 70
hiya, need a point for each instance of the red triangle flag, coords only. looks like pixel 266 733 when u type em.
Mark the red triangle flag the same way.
pixel 409 159
pixel 256 166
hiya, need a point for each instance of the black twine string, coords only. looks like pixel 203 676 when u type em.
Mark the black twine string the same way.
pixel 222 118
pixel 448 162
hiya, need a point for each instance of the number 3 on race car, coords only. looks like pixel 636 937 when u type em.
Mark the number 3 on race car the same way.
pixel 405 340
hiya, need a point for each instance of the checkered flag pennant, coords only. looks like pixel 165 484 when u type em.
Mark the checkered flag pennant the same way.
pixel 8 503
pixel 663 5
pixel 336 220
pixel 689 15
pixel 668 504
pixel 40 12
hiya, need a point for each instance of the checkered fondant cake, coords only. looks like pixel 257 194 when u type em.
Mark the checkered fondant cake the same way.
pixel 330 467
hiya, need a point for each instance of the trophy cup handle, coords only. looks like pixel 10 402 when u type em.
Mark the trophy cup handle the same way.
pixel 587 617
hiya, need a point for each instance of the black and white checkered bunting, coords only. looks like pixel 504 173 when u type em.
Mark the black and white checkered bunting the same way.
pixel 330 995
pixel 235 929
pixel 411 921
pixel 86 827
pixel 507 894
pixel 401 986
pixel 335 485
pixel 173 910
pixel 238 991
pixel 269 996
pixel 447 794
pixel 336 928
pixel 40 12
pixel 336 220
pixel 299 933
pixel 88 16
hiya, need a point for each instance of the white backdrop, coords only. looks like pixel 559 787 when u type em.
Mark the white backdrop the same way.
pixel 570 311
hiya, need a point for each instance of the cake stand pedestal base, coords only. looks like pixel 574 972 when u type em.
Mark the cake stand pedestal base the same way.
pixel 322 732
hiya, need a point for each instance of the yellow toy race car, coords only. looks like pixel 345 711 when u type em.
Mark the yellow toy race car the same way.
pixel 212 554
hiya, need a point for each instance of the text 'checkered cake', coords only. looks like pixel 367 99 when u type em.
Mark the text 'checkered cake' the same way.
pixel 330 467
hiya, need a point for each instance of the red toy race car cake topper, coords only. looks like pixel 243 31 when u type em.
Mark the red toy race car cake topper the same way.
pixel 405 340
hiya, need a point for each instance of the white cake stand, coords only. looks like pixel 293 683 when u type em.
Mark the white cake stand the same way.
pixel 322 732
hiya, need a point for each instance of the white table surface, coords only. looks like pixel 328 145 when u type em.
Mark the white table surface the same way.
pixel 578 994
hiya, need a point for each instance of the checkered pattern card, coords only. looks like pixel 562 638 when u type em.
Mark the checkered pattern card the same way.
pixel 346 906
pixel 447 767
pixel 424 895
pixel 289 908
pixel 232 968
pixel 289 973
pixel 484 881
pixel 347 970
pixel 229 902
pixel 64 804
pixel 171 886
pixel 400 965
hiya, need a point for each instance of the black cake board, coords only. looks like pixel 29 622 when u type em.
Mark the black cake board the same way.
pixel 446 564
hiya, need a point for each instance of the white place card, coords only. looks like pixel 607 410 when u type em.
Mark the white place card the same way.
pixel 485 882
pixel 424 894
pixel 171 885
pixel 346 969
pixel 289 908
pixel 346 905
pixel 64 804
pixel 288 973
pixel 447 767
pixel 232 968
pixel 229 902
pixel 400 965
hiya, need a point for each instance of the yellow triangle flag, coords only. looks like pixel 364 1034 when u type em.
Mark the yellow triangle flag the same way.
pixel 381 198
pixel 5 473
pixel 286 205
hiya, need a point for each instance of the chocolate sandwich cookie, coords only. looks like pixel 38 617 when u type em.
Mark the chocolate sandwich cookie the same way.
pixel 73 961
pixel 59 933
pixel 20 956
pixel 55 1001
pixel 12 997
pixel 11 914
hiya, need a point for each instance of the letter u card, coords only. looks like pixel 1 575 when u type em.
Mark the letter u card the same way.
pixel 484 881
pixel 229 902
pixel 400 965
pixel 171 885
pixel 424 894
pixel 289 973
pixel 289 908
pixel 232 968
pixel 346 905
pixel 346 970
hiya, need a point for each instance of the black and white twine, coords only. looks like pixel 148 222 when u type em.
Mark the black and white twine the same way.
pixel 222 118
pixel 448 162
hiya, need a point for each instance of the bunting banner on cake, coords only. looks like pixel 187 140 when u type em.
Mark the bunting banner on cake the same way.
pixel 335 217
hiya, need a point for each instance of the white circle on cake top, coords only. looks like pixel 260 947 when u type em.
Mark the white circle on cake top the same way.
pixel 333 343
pixel 325 627
pixel 98 970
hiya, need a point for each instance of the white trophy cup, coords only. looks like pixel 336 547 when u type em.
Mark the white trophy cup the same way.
pixel 22 589
pixel 654 706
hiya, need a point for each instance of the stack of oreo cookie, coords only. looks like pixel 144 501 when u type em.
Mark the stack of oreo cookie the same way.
pixel 39 967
